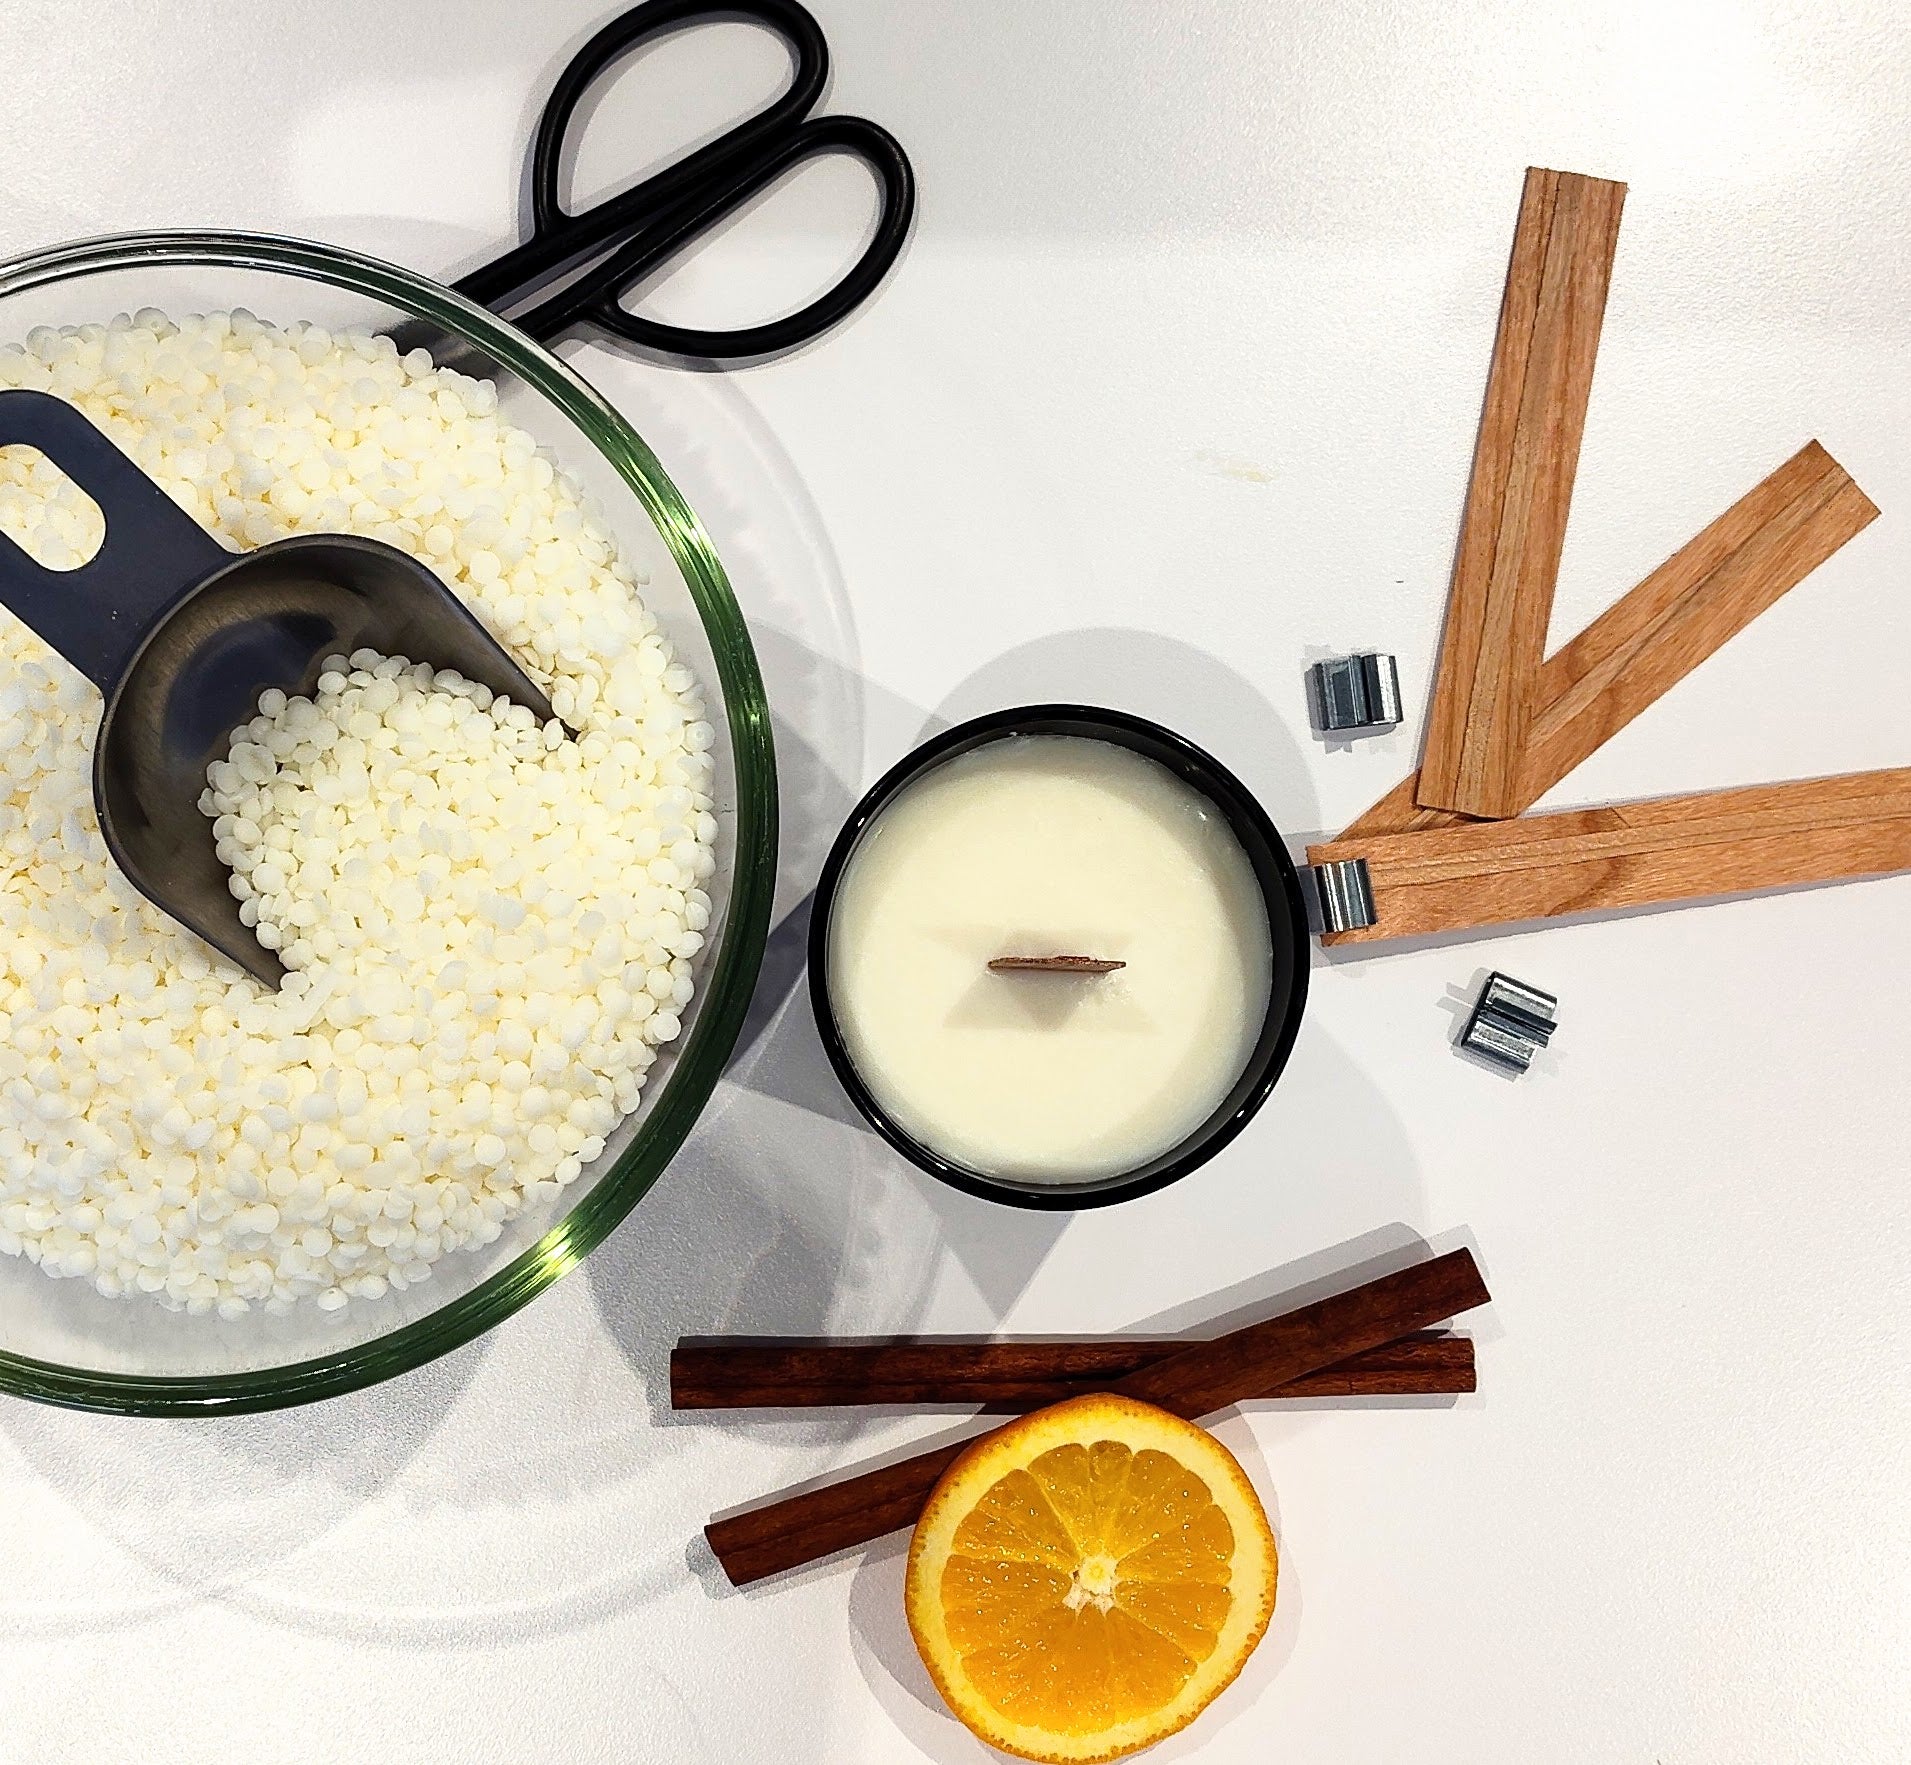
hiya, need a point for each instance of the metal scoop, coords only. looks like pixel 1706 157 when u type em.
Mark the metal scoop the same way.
pixel 182 636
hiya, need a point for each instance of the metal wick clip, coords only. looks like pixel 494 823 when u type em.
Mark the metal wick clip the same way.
pixel 1344 892
pixel 1356 693
pixel 1510 1023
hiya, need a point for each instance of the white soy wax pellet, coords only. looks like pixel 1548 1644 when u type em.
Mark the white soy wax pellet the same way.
pixel 474 994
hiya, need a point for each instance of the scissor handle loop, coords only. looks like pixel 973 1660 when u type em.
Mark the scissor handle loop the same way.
pixel 875 147
pixel 785 18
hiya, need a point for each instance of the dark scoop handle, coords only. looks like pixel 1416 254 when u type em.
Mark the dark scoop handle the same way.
pixel 153 554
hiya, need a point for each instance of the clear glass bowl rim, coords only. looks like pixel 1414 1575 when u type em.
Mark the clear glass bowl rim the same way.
pixel 727 982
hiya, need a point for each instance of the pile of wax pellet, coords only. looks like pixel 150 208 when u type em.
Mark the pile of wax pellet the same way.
pixel 489 927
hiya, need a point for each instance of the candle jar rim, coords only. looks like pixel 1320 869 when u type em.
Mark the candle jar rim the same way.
pixel 1274 874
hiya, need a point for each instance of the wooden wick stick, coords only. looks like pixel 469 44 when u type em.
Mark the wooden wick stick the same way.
pixel 1707 592
pixel 1053 965
pixel 1521 489
pixel 1632 854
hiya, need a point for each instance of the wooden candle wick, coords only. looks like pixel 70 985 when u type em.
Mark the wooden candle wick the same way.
pixel 1763 546
pixel 1479 720
pixel 1646 854
pixel 1053 965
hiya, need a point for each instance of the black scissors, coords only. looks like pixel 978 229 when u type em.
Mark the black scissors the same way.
pixel 620 241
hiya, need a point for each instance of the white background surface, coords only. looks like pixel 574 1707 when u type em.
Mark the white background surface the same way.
pixel 1174 390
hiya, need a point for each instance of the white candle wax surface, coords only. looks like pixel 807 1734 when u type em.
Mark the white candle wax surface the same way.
pixel 1044 846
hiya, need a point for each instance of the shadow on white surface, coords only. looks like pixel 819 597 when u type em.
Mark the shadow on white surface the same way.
pixel 1382 1251
pixel 1173 681
pixel 813 1234
pixel 206 1506
pixel 547 1496
pixel 887 1659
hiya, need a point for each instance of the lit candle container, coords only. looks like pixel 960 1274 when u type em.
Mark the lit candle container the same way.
pixel 1058 956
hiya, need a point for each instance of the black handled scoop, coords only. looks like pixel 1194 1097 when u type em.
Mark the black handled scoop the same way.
pixel 182 636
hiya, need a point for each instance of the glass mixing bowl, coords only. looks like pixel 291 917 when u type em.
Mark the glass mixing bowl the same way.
pixel 61 1340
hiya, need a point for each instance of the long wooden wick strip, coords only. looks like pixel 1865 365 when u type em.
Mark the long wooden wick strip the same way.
pixel 1707 592
pixel 1195 1381
pixel 1520 492
pixel 1012 1376
pixel 1633 854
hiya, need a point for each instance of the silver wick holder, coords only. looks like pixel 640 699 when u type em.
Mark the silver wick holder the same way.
pixel 1510 1022
pixel 1353 694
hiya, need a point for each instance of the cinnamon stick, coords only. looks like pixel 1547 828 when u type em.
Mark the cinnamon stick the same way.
pixel 1053 965
pixel 1006 1377
pixel 1193 1381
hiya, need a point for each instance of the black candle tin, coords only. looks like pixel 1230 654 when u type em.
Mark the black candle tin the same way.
pixel 1280 893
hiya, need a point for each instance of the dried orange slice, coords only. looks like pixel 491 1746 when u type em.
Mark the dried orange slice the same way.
pixel 1084 1581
